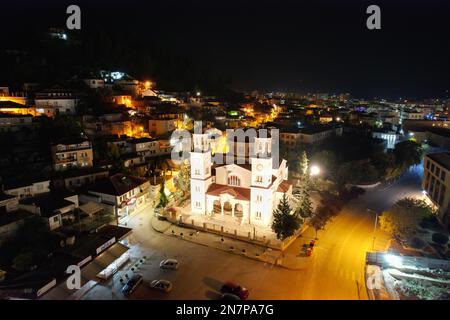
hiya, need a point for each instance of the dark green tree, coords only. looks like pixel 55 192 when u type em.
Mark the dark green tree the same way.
pixel 404 216
pixel 321 217
pixel 305 209
pixel 408 153
pixel 23 261
pixel 163 200
pixel 285 222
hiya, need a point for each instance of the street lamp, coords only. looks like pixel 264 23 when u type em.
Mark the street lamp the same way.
pixel 393 260
pixel 314 171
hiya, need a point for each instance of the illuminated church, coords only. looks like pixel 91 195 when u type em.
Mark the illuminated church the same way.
pixel 247 193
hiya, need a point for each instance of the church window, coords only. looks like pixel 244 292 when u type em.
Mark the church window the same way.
pixel 234 181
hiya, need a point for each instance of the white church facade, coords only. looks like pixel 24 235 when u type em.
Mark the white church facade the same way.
pixel 246 193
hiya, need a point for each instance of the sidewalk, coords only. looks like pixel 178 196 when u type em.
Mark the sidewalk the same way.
pixel 248 250
pixel 251 251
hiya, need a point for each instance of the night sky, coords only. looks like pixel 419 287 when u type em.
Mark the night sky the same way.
pixel 301 46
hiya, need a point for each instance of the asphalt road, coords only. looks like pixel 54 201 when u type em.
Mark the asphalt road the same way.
pixel 335 271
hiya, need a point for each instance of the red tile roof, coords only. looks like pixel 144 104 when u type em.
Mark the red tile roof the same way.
pixel 284 186
pixel 237 192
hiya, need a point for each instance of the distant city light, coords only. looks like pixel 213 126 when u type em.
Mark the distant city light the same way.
pixel 117 75
pixel 198 93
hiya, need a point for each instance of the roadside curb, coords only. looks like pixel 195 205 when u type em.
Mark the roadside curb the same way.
pixel 159 230
pixel 186 238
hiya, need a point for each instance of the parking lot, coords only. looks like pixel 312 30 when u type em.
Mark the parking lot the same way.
pixel 202 270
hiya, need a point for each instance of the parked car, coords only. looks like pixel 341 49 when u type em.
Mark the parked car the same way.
pixel 169 264
pixel 161 285
pixel 236 289
pixel 132 284
pixel 229 296
pixel 161 216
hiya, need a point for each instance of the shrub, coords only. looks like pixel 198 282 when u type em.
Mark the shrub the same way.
pixel 440 238
pixel 429 222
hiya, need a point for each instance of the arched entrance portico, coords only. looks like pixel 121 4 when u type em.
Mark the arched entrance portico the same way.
pixel 238 210
pixel 227 208
pixel 217 207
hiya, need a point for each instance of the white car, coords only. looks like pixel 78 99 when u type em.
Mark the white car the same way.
pixel 161 285
pixel 169 264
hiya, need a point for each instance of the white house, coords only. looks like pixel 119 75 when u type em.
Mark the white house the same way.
pixel 56 101
pixel 247 193
pixel 127 194
pixel 26 188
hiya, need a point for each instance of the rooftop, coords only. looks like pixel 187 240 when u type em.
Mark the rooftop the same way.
pixel 239 193
pixel 48 203
pixel 439 131
pixel 117 184
pixel 442 158
pixel 10 217
pixel 11 104
pixel 70 141
pixel 18 183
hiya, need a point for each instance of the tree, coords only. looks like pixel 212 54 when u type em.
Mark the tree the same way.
pixel 183 180
pixel 285 222
pixel 303 166
pixel 163 200
pixel 115 157
pixel 439 238
pixel 305 209
pixel 23 261
pixel 320 218
pixel 407 153
pixel 404 216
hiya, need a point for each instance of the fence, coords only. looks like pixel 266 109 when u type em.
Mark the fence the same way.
pixel 241 235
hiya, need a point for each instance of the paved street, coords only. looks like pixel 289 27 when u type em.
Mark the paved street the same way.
pixel 335 271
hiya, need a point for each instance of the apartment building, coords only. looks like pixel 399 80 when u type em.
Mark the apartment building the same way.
pixel 72 153
pixel 436 183
pixel 310 135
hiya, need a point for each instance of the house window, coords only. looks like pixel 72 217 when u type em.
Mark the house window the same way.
pixel 259 179
pixel 55 219
pixel 198 204
pixel 258 198
pixel 197 188
pixel 197 172
pixel 258 215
